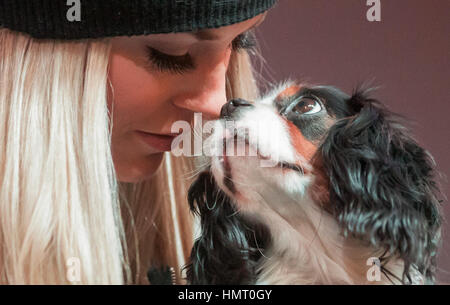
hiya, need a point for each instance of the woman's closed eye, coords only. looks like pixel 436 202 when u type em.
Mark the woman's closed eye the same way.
pixel 180 64
pixel 169 63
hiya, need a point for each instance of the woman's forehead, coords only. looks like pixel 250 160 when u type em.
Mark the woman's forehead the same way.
pixel 222 33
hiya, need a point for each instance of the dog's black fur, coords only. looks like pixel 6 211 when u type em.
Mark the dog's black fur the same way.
pixel 382 191
pixel 229 247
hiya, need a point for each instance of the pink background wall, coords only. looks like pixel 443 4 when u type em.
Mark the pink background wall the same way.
pixel 407 54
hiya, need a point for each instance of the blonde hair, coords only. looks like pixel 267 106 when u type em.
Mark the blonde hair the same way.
pixel 61 205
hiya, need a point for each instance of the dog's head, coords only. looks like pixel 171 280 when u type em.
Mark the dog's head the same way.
pixel 349 154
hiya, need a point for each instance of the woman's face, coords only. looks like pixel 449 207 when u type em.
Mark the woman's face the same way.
pixel 162 78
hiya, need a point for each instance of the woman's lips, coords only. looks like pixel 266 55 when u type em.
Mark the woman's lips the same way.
pixel 157 141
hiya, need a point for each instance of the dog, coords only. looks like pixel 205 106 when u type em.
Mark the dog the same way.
pixel 350 197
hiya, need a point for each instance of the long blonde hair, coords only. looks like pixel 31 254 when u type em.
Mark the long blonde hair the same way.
pixel 61 206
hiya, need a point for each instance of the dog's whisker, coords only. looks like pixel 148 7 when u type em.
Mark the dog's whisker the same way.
pixel 239 183
pixel 198 169
pixel 234 213
pixel 257 246
pixel 194 173
pixel 215 201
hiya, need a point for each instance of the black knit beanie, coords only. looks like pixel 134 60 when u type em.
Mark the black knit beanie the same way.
pixel 79 19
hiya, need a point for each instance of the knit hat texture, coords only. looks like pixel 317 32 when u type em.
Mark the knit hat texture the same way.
pixel 79 19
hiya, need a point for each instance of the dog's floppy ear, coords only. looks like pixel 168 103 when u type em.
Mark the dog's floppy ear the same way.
pixel 382 186
pixel 225 253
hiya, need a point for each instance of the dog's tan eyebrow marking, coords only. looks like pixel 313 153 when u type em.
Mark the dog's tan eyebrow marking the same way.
pixel 288 92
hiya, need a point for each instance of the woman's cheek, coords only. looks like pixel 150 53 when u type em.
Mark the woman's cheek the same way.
pixel 137 92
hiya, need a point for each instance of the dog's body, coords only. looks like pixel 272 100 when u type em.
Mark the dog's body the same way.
pixel 347 188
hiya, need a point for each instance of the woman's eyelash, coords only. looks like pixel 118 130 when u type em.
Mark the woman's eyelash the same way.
pixel 180 64
pixel 169 63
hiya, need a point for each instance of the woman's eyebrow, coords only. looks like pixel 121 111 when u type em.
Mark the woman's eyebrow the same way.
pixel 205 35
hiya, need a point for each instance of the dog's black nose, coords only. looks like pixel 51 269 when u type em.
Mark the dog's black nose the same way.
pixel 231 106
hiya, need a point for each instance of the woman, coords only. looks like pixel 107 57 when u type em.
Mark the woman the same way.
pixel 87 195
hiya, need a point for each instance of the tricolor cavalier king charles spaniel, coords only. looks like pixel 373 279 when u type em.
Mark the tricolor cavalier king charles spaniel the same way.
pixel 349 191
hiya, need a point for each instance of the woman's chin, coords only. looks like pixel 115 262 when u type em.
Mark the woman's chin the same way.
pixel 138 169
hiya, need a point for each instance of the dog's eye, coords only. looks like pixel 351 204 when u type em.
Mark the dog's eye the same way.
pixel 307 105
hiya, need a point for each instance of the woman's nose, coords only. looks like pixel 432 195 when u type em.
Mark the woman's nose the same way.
pixel 208 102
pixel 204 91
